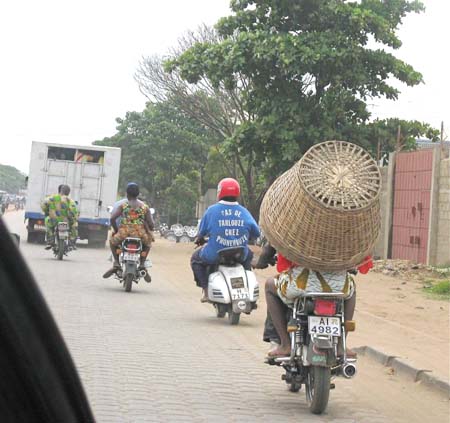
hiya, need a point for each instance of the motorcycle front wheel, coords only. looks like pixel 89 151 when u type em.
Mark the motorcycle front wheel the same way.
pixel 128 282
pixel 318 388
pixel 60 254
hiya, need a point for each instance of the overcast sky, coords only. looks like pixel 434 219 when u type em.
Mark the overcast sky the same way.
pixel 67 67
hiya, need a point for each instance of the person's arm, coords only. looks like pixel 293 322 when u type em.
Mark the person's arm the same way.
pixel 254 231
pixel 203 229
pixel 44 207
pixel 74 209
pixel 149 220
pixel 113 218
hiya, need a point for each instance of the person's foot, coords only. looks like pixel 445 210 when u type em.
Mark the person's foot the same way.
pixel 279 351
pixel 111 271
pixel 204 298
pixel 274 345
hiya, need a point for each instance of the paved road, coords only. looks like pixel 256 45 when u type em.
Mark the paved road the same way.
pixel 158 355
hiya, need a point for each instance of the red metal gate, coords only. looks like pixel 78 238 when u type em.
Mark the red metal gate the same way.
pixel 412 199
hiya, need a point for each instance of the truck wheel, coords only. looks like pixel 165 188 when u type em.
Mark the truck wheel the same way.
pixel 31 237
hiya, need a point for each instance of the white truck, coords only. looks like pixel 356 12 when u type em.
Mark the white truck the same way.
pixel 92 173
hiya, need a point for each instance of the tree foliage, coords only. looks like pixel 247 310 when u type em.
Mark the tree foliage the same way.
pixel 384 136
pixel 11 179
pixel 308 68
pixel 164 151
pixel 214 105
pixel 248 97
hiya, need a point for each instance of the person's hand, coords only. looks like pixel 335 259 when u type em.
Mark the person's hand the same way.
pixel 199 241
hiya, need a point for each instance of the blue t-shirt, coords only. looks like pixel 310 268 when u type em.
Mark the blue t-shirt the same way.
pixel 227 225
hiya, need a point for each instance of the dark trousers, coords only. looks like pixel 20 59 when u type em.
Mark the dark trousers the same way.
pixel 270 333
pixel 202 269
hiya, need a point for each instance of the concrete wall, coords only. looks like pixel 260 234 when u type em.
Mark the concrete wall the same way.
pixel 443 216
pixel 379 249
pixel 206 200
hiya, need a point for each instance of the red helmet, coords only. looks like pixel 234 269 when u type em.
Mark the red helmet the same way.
pixel 228 187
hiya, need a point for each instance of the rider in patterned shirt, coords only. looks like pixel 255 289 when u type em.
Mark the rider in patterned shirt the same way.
pixel 60 208
pixel 136 221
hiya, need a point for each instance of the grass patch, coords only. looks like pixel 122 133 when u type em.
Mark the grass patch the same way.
pixel 439 289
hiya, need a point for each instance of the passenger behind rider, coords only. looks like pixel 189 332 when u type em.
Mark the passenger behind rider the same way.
pixel 135 221
pixel 227 224
pixel 60 208
pixel 275 327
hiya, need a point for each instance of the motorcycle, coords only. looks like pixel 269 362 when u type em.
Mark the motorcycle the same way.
pixel 129 259
pixel 317 330
pixel 62 245
pixel 231 288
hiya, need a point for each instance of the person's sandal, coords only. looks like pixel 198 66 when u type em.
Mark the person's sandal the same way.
pixel 204 298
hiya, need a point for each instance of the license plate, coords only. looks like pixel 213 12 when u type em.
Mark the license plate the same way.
pixel 239 294
pixel 324 325
pixel 237 283
pixel 63 235
pixel 131 256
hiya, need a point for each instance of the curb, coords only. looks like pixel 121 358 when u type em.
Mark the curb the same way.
pixel 405 369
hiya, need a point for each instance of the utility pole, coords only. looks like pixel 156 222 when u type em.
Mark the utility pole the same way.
pixel 399 135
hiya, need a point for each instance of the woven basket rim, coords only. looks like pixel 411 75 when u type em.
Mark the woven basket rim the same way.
pixel 320 203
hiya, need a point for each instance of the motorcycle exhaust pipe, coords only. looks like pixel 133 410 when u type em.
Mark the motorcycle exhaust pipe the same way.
pixel 142 273
pixel 349 370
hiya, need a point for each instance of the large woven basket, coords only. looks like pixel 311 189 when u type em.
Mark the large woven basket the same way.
pixel 324 212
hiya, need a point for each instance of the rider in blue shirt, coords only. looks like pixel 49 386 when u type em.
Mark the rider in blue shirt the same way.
pixel 227 224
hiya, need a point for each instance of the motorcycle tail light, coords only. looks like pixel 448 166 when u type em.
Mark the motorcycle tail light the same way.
pixel 132 247
pixel 324 307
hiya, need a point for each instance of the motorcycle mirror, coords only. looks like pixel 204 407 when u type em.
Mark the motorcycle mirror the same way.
pixel 152 210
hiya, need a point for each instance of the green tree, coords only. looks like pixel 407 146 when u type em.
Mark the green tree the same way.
pixel 11 179
pixel 162 150
pixel 309 67
pixel 212 104
pixel 381 136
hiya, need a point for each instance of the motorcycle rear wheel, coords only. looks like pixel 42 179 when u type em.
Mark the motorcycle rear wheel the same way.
pixel 128 282
pixel 318 388
pixel 60 254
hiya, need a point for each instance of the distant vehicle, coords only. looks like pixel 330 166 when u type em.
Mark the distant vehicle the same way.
pixel 92 174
